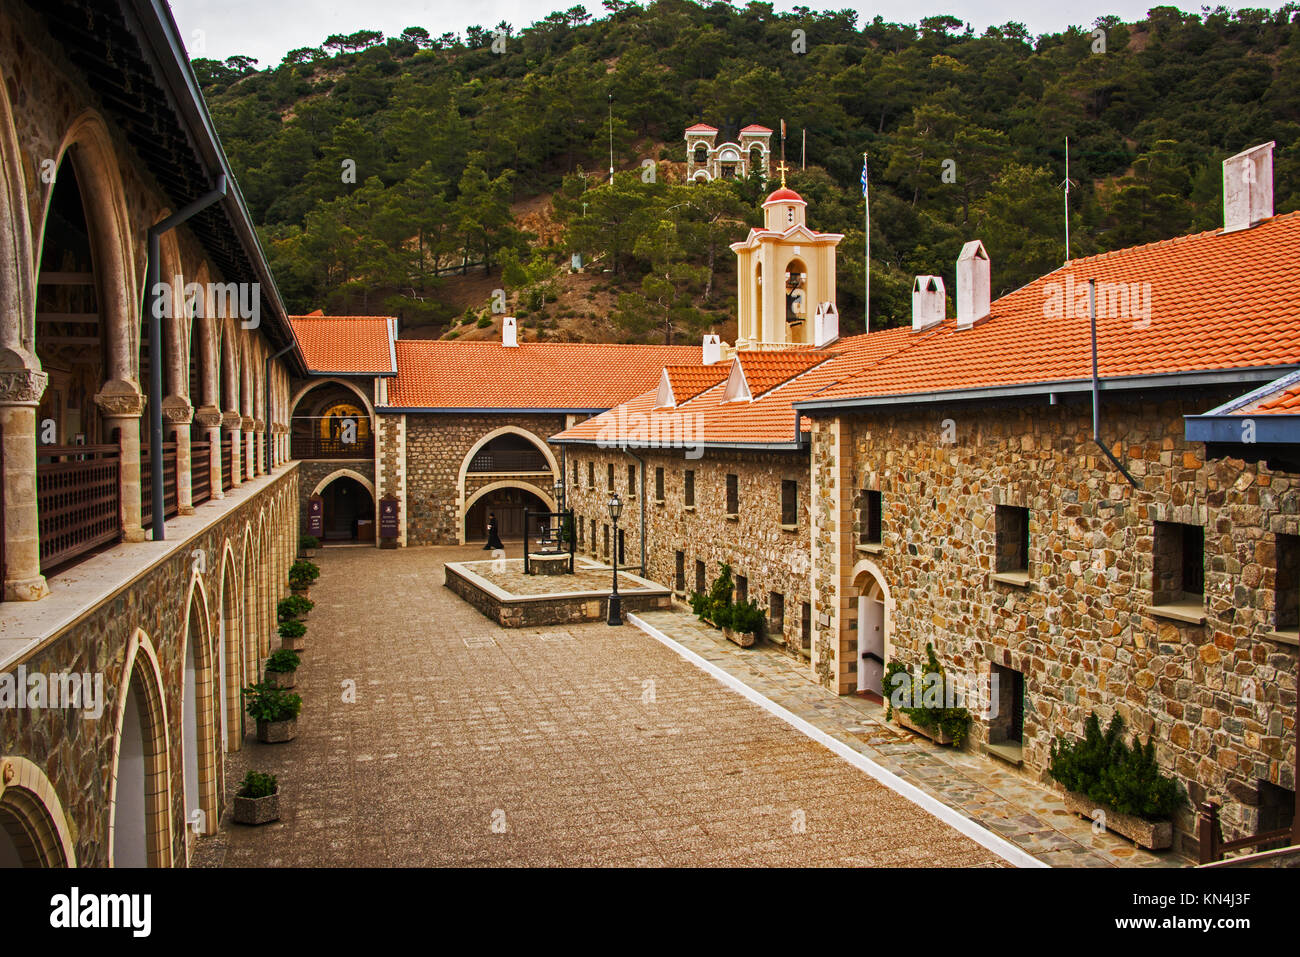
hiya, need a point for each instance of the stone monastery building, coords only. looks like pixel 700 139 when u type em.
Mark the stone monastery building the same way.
pixel 1074 522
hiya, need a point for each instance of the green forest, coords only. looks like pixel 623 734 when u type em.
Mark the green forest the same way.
pixel 378 168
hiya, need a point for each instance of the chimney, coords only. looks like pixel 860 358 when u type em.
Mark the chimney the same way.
pixel 1248 188
pixel 712 349
pixel 929 302
pixel 826 324
pixel 972 284
pixel 509 333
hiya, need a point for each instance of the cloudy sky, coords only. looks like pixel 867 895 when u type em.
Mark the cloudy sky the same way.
pixel 267 29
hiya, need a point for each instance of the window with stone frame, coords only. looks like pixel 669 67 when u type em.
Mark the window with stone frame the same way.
pixel 776 612
pixel 591 475
pixel 742 588
pixel 1012 527
pixel 1178 564
pixel 606 552
pixel 659 484
pixel 1276 811
pixel 622 544
pixel 631 481
pixel 700 581
pixel 679 572
pixel 610 480
pixel 688 488
pixel 789 502
pixel 1286 586
pixel 582 529
pixel 733 494
pixel 869 519
pixel 805 625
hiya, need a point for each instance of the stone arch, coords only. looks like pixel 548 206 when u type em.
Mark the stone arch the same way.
pixel 32 816
pixel 541 444
pixel 17 262
pixel 248 592
pixel 231 644
pixel 90 146
pixel 337 380
pixel 869 579
pixel 199 708
pixel 142 683
pixel 345 473
pixel 544 494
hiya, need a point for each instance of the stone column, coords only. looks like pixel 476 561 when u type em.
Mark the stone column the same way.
pixel 259 443
pixel 249 425
pixel 123 407
pixel 177 414
pixel 230 424
pixel 208 418
pixel 20 392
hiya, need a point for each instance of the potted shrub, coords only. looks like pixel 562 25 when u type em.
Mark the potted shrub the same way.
pixel 282 668
pixel 294 607
pixel 258 799
pixel 292 634
pixel 742 622
pixel 307 546
pixel 301 575
pixel 712 608
pixel 1103 774
pixel 275 711
pixel 921 703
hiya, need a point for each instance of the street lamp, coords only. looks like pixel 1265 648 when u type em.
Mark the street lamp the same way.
pixel 615 603
pixel 559 492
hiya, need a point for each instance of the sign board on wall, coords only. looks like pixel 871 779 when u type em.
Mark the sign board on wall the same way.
pixel 316 517
pixel 388 521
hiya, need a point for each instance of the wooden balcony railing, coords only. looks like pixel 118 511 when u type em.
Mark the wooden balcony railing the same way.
pixel 171 503
pixel 316 447
pixel 227 461
pixel 200 472
pixel 78 500
pixel 509 460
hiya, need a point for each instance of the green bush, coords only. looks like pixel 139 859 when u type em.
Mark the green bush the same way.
pixel 283 661
pixel 746 616
pixel 302 573
pixel 483 322
pixel 294 606
pixel 292 628
pixel 1103 768
pixel 266 702
pixel 308 541
pixel 951 721
pixel 257 785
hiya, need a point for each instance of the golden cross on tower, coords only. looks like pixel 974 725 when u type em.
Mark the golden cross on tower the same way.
pixel 781 169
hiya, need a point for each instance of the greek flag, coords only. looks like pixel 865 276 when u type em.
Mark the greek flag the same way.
pixel 864 174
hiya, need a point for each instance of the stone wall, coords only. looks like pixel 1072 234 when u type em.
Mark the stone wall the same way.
pixel 753 543
pixel 77 754
pixel 1218 698
pixel 437 445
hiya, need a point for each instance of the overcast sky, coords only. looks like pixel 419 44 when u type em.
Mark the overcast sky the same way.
pixel 267 29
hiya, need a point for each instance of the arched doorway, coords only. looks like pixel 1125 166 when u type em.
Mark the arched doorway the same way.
pixel 508 503
pixel 231 660
pixel 331 421
pixel 349 511
pixel 141 822
pixel 33 828
pixel 871 639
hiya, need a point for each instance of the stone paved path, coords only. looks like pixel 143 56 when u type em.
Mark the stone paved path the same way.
pixel 588 745
pixel 1028 815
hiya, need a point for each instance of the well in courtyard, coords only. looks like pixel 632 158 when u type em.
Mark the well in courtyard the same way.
pixel 501 590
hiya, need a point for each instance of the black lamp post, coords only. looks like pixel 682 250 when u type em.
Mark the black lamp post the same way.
pixel 559 493
pixel 615 603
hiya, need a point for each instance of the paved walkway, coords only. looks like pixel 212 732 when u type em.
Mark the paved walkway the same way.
pixel 587 745
pixel 1030 816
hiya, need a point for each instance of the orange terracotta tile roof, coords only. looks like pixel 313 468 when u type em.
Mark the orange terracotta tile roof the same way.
pixel 689 381
pixel 349 345
pixel 586 376
pixel 1284 401
pixel 1214 301
pixel 764 371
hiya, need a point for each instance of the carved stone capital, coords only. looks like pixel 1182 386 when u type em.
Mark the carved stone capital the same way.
pixel 22 387
pixel 231 421
pixel 120 404
pixel 259 425
pixel 176 410
pixel 247 423
pixel 208 416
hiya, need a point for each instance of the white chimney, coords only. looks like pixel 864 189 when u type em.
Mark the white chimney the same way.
pixel 509 333
pixel 929 302
pixel 1248 188
pixel 826 324
pixel 972 284
pixel 712 349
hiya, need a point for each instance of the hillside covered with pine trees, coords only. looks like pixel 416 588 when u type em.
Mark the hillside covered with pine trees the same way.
pixel 413 175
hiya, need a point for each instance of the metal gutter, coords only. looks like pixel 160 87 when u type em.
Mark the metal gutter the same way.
pixel 1096 396
pixel 1155 380
pixel 493 410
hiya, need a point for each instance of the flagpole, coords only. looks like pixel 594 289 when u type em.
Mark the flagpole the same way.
pixel 866 205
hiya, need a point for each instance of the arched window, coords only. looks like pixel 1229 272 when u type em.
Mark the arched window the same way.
pixel 796 291
pixel 701 154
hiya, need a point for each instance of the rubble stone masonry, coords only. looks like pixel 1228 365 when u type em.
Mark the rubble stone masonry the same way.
pixel 1218 698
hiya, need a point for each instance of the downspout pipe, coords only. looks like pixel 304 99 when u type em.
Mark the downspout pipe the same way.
pixel 1096 388
pixel 270 430
pixel 156 292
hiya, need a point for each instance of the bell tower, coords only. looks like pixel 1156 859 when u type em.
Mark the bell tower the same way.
pixel 786 275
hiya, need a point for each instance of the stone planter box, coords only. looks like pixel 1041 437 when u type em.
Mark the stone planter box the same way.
pixel 282 679
pixel 743 638
pixel 261 810
pixel 1153 835
pixel 277 732
pixel 937 736
pixel 298 644
pixel 305 592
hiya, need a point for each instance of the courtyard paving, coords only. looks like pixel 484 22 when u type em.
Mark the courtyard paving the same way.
pixel 469 744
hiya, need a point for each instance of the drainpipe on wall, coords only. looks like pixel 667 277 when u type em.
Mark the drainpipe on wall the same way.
pixel 641 461
pixel 1096 387
pixel 155 294
pixel 270 430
